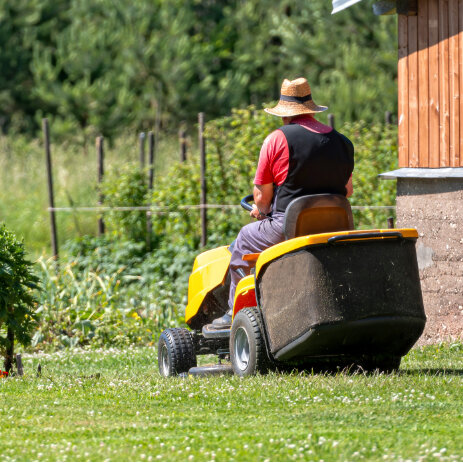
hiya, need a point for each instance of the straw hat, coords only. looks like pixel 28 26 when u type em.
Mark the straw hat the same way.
pixel 295 99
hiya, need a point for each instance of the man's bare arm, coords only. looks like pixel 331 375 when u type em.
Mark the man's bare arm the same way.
pixel 263 195
pixel 349 187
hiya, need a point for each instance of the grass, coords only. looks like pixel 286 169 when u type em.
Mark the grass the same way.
pixel 23 181
pixel 113 405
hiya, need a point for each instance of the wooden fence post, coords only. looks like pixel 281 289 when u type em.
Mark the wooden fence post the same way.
pixel 388 117
pixel 331 120
pixel 142 138
pixel 202 154
pixel 151 153
pixel 51 198
pixel 100 154
pixel 182 139
pixel 19 365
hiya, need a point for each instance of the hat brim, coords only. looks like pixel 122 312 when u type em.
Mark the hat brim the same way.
pixel 288 109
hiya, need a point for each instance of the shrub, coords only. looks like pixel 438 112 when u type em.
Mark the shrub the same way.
pixel 17 300
pixel 126 186
pixel 112 292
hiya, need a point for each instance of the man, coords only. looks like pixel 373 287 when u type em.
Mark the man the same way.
pixel 301 158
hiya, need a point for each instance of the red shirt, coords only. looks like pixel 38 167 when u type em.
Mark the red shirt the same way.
pixel 274 154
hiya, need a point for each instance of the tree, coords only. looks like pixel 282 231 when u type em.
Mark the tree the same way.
pixel 23 24
pixel 97 66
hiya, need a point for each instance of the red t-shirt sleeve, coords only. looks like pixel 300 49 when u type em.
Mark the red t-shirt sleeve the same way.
pixel 273 160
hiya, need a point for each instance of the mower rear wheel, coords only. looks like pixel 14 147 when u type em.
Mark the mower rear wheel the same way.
pixel 176 352
pixel 247 346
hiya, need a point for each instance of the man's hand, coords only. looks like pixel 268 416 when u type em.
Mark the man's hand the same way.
pixel 256 214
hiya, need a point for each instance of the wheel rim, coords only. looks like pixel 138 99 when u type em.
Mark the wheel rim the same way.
pixel 241 349
pixel 164 361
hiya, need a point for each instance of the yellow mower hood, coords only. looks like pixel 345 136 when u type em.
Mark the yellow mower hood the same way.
pixel 209 271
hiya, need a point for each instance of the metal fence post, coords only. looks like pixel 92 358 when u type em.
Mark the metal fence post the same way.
pixel 388 117
pixel 331 120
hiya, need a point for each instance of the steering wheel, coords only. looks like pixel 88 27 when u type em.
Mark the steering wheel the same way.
pixel 245 202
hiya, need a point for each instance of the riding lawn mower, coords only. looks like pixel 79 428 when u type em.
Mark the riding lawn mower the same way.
pixel 328 297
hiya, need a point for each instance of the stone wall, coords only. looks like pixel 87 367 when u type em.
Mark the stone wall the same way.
pixel 435 208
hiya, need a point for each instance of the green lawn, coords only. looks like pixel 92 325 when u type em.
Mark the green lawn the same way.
pixel 113 405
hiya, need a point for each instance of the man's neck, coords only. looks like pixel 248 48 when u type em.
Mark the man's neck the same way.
pixel 309 122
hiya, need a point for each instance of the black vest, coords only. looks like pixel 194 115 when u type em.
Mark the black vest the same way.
pixel 318 163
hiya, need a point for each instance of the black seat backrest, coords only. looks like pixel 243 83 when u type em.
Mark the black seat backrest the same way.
pixel 313 214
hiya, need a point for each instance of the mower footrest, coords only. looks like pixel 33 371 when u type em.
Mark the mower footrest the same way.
pixel 210 332
pixel 209 370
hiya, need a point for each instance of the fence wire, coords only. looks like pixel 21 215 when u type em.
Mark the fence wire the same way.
pixel 164 210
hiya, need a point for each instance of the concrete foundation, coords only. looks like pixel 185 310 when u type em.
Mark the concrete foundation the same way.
pixel 434 206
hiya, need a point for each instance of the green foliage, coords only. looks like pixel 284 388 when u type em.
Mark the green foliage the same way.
pixel 17 286
pixel 94 66
pixel 111 292
pixel 126 186
pixel 375 153
pixel 24 184
pixel 24 25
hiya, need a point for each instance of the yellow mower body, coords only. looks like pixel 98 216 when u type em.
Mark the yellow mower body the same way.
pixel 210 268
pixel 209 271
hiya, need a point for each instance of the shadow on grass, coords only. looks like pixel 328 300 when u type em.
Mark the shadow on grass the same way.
pixel 431 371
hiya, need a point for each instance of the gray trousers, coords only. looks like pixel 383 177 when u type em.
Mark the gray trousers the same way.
pixel 254 237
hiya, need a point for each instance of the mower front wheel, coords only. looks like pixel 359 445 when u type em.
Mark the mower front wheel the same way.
pixel 176 352
pixel 247 346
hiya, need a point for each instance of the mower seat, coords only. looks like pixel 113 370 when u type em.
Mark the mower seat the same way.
pixel 313 214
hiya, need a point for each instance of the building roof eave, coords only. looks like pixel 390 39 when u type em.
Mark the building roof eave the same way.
pixel 339 5
pixel 423 172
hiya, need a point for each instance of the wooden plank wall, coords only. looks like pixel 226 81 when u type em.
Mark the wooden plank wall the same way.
pixel 430 72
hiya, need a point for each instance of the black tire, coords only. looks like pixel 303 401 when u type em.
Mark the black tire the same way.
pixel 176 352
pixel 247 346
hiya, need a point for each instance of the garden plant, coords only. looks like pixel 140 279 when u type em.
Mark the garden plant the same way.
pixel 17 298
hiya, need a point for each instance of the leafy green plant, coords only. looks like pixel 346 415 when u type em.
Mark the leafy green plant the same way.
pixel 112 292
pixel 126 185
pixel 17 300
